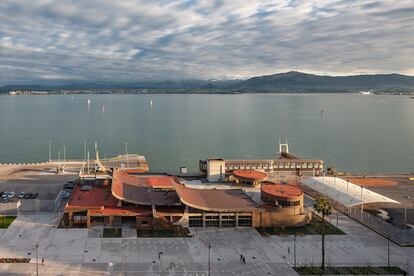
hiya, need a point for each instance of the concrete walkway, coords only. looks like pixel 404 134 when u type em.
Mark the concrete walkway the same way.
pixel 85 252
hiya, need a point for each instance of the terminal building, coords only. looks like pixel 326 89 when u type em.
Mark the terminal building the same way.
pixel 161 201
pixel 154 201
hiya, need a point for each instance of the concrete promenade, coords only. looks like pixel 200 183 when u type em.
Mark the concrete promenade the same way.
pixel 85 252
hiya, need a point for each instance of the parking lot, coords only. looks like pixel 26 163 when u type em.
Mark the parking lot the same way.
pixel 43 188
pixel 402 192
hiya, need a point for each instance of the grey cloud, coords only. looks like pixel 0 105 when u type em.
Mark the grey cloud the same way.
pixel 46 40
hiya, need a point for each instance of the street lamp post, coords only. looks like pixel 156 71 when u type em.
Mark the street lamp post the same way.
pixel 84 149
pixel 125 258
pixel 362 201
pixel 58 161
pixel 405 214
pixel 388 251
pixel 209 267
pixel 126 153
pixel 37 263
pixel 159 258
pixel 50 150
pixel 294 251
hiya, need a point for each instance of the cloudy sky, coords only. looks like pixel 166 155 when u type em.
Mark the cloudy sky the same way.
pixel 45 41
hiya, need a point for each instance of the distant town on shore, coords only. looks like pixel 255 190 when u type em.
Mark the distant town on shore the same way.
pixel 290 82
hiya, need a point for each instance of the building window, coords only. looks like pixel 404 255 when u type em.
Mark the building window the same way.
pixel 196 221
pixel 79 218
pixel 245 221
pixel 228 220
pixel 228 223
pixel 212 220
pixel 212 223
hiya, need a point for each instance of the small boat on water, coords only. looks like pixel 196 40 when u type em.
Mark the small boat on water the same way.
pixel 365 92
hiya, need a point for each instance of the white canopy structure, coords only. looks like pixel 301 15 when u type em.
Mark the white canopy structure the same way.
pixel 344 192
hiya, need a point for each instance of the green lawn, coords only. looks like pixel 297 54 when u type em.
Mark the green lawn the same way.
pixel 164 233
pixel 6 221
pixel 312 228
pixel 350 270
pixel 112 233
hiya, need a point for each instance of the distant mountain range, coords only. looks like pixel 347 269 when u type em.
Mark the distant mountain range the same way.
pixel 284 82
pixel 301 82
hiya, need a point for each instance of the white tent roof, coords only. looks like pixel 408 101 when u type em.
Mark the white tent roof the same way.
pixel 346 193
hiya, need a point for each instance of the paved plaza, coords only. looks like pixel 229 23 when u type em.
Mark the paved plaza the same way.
pixel 85 252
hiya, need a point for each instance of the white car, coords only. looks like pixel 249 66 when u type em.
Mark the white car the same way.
pixel 21 195
pixel 11 194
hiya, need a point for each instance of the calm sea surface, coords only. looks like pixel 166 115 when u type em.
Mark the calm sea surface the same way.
pixel 355 133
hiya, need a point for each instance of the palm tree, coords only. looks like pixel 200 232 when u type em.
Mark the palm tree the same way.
pixel 323 206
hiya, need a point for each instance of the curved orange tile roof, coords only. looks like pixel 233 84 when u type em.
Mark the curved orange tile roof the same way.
pixel 217 200
pixel 281 191
pixel 249 174
pixel 142 190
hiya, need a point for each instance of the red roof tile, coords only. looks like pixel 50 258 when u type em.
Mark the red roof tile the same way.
pixel 249 174
pixel 138 189
pixel 281 191
pixel 97 197
pixel 226 200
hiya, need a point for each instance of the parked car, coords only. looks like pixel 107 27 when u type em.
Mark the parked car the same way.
pixel 68 186
pixel 34 195
pixel 27 196
pixel 65 194
pixel 71 182
pixel 5 199
pixel 21 195
pixel 8 195
pixel 86 188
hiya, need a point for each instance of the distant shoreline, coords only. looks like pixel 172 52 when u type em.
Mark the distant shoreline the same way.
pixel 189 92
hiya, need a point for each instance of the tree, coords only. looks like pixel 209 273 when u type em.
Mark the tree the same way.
pixel 323 206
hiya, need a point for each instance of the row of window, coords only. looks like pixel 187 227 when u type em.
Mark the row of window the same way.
pixel 230 221
pixel 315 165
pixel 292 165
pixel 288 203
